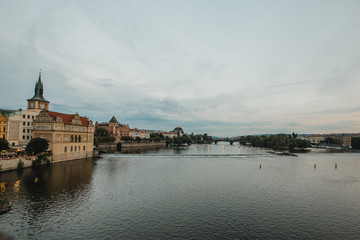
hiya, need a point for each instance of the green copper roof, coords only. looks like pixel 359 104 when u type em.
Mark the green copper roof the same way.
pixel 39 89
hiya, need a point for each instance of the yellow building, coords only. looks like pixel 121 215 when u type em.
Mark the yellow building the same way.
pixel 70 136
pixel 3 126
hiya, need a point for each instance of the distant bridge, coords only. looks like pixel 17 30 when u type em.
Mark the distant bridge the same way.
pixel 231 141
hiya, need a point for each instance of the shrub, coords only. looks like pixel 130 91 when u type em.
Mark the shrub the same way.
pixel 20 164
pixel 41 158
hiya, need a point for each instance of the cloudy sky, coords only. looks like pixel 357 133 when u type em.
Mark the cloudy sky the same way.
pixel 223 67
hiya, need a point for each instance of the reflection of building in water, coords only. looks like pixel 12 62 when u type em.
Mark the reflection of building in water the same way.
pixel 58 185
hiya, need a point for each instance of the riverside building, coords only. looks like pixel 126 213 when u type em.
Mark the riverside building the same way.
pixel 70 136
pixel 20 122
pixel 115 129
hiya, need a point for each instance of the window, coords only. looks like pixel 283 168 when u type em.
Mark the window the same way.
pixel 28 130
pixel 65 149
pixel 72 138
pixel 23 130
pixel 13 144
pixel 27 137
pixel 32 117
pixel 28 116
pixel 84 148
pixel 79 149
pixel 75 138
pixel 71 149
pixel 79 138
pixel 23 137
pixel 24 123
pixel 23 116
pixel 28 123
pixel 75 149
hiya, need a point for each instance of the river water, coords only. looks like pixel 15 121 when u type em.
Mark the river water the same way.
pixel 197 192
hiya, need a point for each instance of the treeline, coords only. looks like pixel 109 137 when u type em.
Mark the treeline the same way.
pixel 276 142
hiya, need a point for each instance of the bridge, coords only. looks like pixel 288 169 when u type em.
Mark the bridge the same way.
pixel 231 141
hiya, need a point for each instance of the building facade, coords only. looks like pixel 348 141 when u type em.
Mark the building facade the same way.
pixel 70 136
pixel 143 134
pixel 115 129
pixel 20 123
pixel 3 126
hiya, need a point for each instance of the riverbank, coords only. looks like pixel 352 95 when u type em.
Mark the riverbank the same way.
pixel 111 147
pixel 13 163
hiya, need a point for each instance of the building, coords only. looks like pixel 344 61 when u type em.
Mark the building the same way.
pixel 3 126
pixel 315 139
pixel 20 125
pixel 70 136
pixel 168 134
pixel 115 129
pixel 178 131
pixel 20 122
pixel 143 134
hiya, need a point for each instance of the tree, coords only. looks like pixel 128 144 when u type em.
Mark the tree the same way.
pixel 355 142
pixel 101 132
pixel 4 144
pixel 37 145
pixel 127 139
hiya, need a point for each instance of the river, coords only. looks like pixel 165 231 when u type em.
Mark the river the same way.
pixel 197 192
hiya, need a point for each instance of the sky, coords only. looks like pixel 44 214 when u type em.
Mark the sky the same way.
pixel 222 67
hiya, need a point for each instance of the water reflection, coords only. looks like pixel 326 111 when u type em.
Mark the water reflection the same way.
pixel 42 190
pixel 196 192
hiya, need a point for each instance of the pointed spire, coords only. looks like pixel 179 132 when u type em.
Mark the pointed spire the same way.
pixel 113 120
pixel 39 90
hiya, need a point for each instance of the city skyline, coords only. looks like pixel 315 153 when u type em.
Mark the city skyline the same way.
pixel 228 69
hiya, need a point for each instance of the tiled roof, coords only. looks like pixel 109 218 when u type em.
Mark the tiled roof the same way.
pixel 67 118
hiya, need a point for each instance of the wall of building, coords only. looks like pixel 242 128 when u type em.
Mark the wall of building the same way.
pixel 20 127
pixel 3 126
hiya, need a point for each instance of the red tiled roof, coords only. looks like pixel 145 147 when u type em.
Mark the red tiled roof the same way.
pixel 67 118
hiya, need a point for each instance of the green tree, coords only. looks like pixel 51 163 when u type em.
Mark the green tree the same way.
pixel 4 144
pixel 37 145
pixel 355 142
pixel 127 139
pixel 101 132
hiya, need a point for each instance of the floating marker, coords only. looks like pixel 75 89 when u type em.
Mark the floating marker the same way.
pixel 314 165
pixel 36 180
pixel 335 165
pixel 260 165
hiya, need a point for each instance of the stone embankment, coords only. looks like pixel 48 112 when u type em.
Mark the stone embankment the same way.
pixel 11 164
pixel 108 147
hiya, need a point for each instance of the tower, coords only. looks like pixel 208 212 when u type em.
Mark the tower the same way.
pixel 38 102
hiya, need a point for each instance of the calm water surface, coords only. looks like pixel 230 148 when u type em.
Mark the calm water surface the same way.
pixel 199 192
